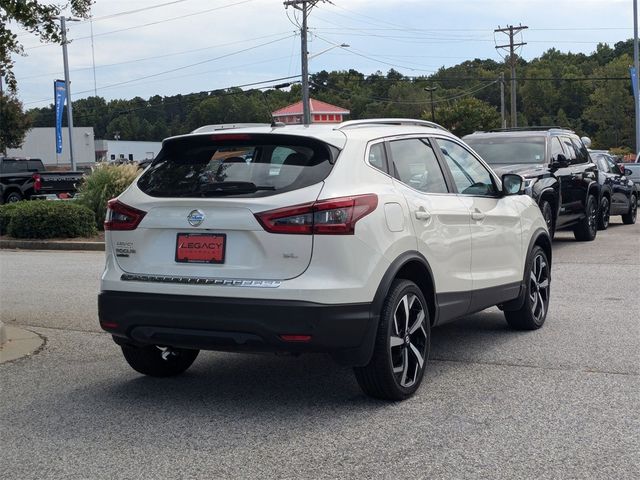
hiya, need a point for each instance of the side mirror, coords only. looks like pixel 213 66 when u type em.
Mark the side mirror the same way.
pixel 512 184
pixel 626 171
pixel 561 161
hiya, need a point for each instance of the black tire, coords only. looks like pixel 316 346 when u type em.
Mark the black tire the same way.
pixel 547 214
pixel 604 214
pixel 533 312
pixel 587 229
pixel 13 197
pixel 629 218
pixel 149 360
pixel 395 370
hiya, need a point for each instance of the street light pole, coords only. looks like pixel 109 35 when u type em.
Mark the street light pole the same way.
pixel 67 82
pixel 636 93
pixel 433 111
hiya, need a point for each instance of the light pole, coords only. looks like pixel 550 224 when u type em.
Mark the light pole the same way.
pixel 636 93
pixel 431 90
pixel 67 84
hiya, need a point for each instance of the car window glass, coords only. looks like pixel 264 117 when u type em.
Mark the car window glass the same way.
pixel 556 148
pixel 569 149
pixel 613 167
pixel 582 155
pixel 34 165
pixel 602 164
pixel 11 166
pixel 415 164
pixel 378 157
pixel 469 175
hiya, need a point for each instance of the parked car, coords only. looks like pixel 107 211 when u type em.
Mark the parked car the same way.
pixel 22 178
pixel 558 172
pixel 618 193
pixel 353 239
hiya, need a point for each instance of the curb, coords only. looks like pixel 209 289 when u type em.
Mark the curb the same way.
pixel 51 245
pixel 3 334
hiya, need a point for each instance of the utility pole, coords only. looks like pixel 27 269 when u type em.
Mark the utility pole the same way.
pixel 512 31
pixel 636 93
pixel 503 123
pixel 305 7
pixel 67 82
pixel 431 90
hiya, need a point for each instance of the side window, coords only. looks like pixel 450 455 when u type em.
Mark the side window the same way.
pixel 469 175
pixel 613 168
pixel 415 164
pixel 34 165
pixel 582 155
pixel 603 165
pixel 11 166
pixel 569 149
pixel 556 148
pixel 378 157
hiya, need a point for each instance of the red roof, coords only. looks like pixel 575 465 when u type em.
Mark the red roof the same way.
pixel 316 106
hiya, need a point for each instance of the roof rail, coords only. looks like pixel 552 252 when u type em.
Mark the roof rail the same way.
pixel 389 121
pixel 228 126
pixel 536 128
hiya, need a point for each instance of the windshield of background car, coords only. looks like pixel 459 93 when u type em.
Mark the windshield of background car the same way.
pixel 509 150
pixel 245 165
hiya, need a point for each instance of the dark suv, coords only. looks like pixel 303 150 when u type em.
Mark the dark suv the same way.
pixel 559 173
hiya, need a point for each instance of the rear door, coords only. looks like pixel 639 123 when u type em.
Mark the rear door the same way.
pixel 620 190
pixel 200 197
pixel 496 260
pixel 573 201
pixel 440 220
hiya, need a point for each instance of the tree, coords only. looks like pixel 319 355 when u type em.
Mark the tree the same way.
pixel 14 123
pixel 466 116
pixel 37 17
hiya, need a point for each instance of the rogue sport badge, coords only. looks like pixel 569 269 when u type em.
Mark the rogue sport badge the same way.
pixel 195 218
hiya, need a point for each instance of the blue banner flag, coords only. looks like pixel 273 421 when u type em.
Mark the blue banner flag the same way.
pixel 634 82
pixel 60 95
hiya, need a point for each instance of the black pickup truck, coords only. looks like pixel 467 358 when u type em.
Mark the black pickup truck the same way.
pixel 26 178
pixel 559 174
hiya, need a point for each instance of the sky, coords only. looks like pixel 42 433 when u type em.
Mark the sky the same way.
pixel 144 47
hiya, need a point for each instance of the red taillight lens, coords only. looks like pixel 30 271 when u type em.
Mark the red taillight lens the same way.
pixel 121 216
pixel 37 182
pixel 336 216
pixel 296 338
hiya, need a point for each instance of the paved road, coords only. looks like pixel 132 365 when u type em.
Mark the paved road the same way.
pixel 562 402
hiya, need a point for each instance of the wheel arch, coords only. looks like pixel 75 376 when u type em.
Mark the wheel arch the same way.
pixel 411 265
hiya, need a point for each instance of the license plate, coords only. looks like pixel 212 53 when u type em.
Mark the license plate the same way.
pixel 200 247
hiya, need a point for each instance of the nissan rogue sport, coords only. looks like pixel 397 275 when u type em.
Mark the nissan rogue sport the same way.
pixel 353 239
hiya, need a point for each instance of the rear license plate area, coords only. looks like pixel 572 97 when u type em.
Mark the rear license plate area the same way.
pixel 200 247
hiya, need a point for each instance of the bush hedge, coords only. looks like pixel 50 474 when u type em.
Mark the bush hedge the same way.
pixel 104 183
pixel 45 219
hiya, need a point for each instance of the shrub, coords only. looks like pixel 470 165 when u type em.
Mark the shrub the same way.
pixel 104 183
pixel 43 219
pixel 6 213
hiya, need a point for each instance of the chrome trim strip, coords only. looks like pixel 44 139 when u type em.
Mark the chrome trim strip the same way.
pixel 220 282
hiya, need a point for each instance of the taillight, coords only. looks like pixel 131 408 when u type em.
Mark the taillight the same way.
pixel 37 182
pixel 336 216
pixel 121 216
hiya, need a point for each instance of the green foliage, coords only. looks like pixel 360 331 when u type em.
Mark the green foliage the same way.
pixel 104 183
pixel 42 219
pixel 15 123
pixel 6 213
pixel 555 88
pixel 37 17
pixel 466 116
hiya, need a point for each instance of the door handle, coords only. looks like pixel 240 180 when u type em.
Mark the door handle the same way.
pixel 477 215
pixel 422 215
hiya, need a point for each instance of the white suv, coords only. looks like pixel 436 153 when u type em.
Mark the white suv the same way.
pixel 352 239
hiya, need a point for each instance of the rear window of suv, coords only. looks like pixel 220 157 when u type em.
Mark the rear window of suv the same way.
pixel 509 149
pixel 245 165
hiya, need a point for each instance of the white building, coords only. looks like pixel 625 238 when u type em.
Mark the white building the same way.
pixel 124 150
pixel 40 143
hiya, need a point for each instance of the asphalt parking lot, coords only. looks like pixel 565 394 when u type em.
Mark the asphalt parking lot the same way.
pixel 561 402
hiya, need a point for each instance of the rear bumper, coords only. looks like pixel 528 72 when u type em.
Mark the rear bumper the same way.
pixel 346 331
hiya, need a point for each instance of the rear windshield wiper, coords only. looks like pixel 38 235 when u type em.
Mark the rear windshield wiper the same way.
pixel 230 188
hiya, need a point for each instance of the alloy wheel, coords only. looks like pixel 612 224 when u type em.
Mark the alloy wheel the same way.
pixel 604 208
pixel 592 217
pixel 408 340
pixel 539 284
